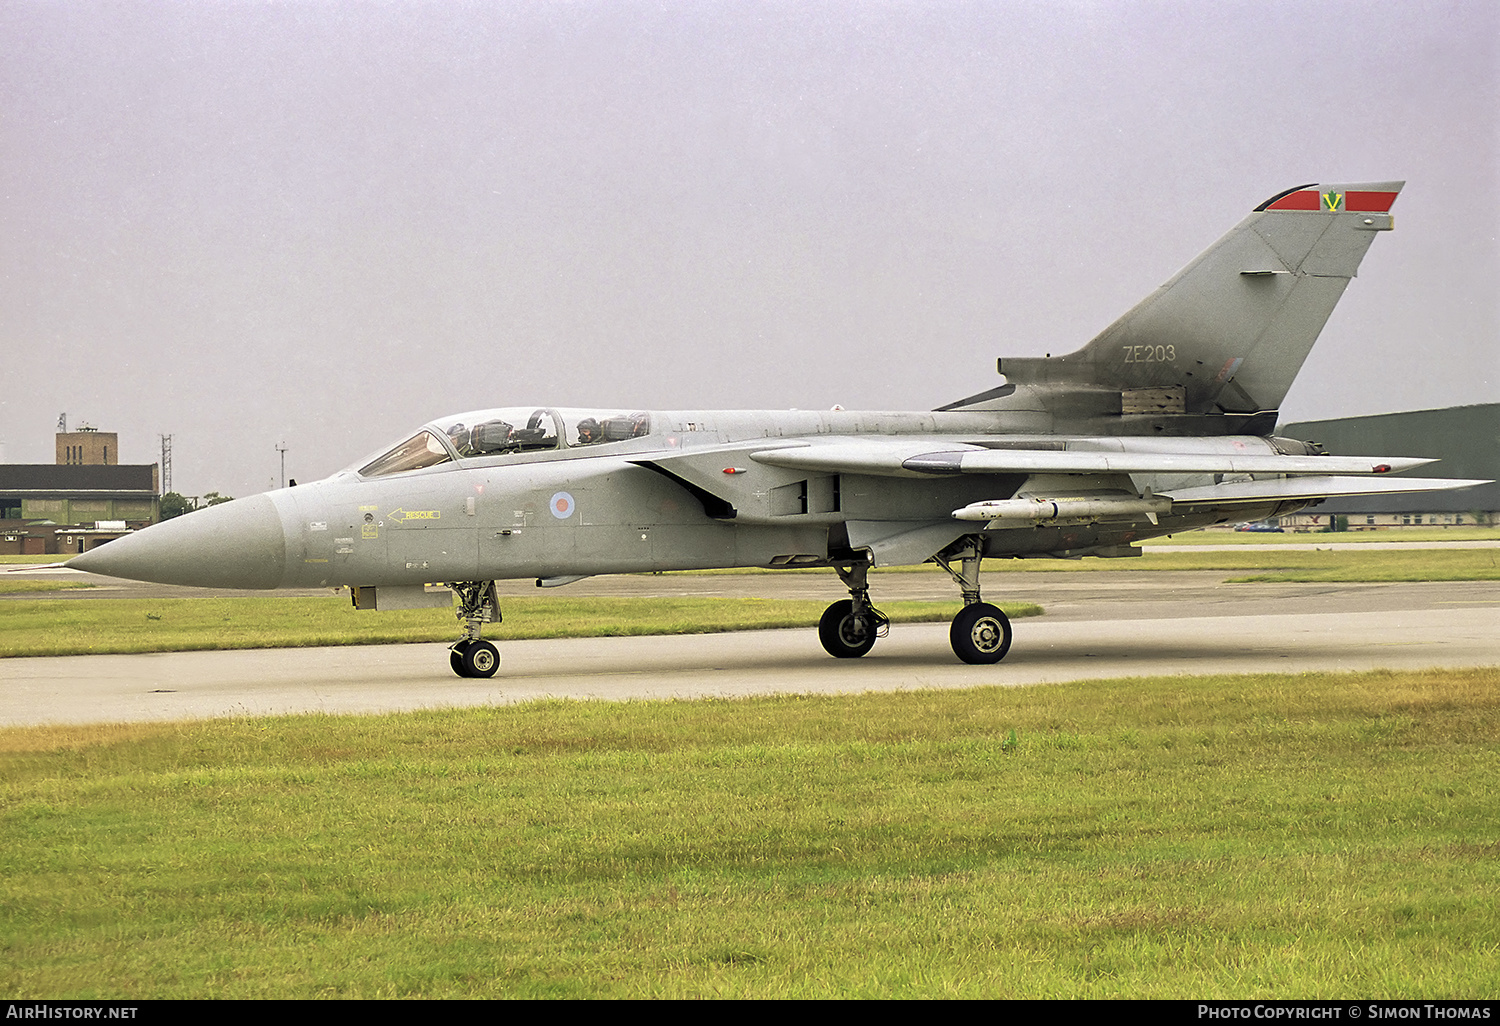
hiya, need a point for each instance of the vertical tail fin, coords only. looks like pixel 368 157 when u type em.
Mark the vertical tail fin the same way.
pixel 1229 332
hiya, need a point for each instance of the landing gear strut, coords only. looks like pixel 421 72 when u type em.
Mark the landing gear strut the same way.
pixel 981 632
pixel 849 628
pixel 471 656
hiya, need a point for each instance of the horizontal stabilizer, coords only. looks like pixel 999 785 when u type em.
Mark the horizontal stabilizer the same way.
pixel 1311 488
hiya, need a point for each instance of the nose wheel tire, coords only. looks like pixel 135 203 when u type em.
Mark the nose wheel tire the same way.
pixel 474 659
pixel 844 635
pixel 980 634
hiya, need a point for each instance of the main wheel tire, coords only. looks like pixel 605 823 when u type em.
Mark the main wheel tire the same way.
pixel 980 634
pixel 481 659
pixel 844 635
pixel 456 658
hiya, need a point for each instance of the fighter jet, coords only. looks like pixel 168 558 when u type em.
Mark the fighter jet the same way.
pixel 1162 423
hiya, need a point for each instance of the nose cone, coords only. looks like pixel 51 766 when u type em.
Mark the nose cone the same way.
pixel 237 544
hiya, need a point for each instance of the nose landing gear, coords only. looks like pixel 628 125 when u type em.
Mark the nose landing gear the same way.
pixel 474 658
pixel 471 656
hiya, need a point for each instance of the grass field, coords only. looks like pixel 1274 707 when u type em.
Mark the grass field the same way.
pixel 19 586
pixel 1345 565
pixel 1372 564
pixel 43 627
pixel 1272 836
pixel 1404 534
pixel 1366 563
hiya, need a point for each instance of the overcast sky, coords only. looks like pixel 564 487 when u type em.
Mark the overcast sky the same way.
pixel 322 224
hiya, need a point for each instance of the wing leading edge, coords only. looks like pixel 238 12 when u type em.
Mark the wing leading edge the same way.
pixel 1062 483
pixel 906 460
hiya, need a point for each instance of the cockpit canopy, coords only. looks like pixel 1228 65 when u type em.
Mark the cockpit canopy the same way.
pixel 423 449
pixel 503 432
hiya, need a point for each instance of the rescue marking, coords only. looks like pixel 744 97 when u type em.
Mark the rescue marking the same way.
pixel 401 516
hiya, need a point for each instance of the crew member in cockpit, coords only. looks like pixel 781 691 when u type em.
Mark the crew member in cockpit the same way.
pixel 589 431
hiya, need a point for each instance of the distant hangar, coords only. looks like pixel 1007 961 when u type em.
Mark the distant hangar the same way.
pixel 1465 438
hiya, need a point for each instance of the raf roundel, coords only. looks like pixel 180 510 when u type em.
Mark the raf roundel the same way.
pixel 562 505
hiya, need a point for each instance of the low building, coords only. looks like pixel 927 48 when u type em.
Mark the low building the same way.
pixel 1319 521
pixel 73 495
pixel 31 537
pixel 83 500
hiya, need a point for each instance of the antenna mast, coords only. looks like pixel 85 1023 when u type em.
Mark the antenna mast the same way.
pixel 166 464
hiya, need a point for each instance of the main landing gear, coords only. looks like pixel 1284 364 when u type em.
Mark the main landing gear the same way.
pixel 848 629
pixel 980 633
pixel 471 656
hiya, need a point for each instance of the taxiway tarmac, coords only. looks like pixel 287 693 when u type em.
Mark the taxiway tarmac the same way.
pixel 1130 624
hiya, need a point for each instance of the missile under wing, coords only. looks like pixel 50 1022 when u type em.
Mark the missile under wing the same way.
pixel 1162 423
